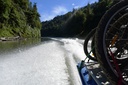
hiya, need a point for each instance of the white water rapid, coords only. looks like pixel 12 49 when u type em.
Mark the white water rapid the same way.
pixel 52 62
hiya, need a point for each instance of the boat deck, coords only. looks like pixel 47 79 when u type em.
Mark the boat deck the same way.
pixel 92 74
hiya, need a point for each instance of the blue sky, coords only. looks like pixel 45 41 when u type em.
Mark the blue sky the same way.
pixel 48 9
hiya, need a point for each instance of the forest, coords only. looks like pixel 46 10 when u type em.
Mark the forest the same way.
pixel 19 18
pixel 77 23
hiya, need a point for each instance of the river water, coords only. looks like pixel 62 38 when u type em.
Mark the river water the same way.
pixel 47 61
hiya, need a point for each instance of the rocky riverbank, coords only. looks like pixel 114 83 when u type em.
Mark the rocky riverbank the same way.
pixel 9 38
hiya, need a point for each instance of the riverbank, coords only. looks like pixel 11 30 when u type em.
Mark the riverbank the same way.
pixel 9 38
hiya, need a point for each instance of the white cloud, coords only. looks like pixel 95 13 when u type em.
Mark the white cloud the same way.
pixel 59 10
pixel 92 1
pixel 45 17
pixel 76 7
pixel 73 4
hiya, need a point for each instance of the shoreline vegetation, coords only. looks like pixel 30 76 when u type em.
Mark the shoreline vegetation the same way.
pixel 19 19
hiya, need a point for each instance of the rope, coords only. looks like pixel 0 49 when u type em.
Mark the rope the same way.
pixel 117 68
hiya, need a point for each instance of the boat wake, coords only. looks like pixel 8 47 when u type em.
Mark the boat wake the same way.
pixel 52 62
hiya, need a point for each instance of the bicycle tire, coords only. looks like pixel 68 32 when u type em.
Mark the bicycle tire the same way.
pixel 100 48
pixel 87 39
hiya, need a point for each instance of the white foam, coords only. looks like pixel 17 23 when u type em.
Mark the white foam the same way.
pixel 41 65
pixel 45 64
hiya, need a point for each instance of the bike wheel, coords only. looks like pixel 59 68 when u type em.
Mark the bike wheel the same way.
pixel 112 36
pixel 89 44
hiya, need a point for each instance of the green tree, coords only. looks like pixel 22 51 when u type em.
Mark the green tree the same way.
pixel 78 22
pixel 19 18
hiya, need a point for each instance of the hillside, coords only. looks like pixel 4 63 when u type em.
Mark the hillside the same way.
pixel 78 22
pixel 19 18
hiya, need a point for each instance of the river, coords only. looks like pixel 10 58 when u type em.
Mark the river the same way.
pixel 47 61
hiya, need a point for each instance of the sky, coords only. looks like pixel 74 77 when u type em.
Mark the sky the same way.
pixel 48 9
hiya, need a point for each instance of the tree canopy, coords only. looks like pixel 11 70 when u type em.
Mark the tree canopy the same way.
pixel 77 23
pixel 19 18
